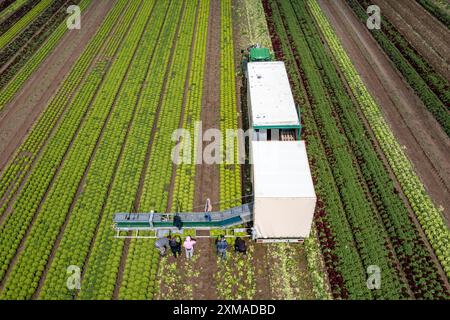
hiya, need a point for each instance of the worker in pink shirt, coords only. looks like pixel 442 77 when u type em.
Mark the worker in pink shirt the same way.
pixel 189 246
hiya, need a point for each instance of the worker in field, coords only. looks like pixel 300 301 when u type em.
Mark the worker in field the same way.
pixel 162 244
pixel 208 209
pixel 175 245
pixel 177 222
pixel 189 247
pixel 240 246
pixel 221 247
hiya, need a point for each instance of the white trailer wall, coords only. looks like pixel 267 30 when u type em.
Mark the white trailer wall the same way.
pixel 284 217
pixel 283 189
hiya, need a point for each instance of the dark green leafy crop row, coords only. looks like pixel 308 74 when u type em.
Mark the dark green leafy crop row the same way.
pixel 40 28
pixel 388 211
pixel 440 14
pixel 432 88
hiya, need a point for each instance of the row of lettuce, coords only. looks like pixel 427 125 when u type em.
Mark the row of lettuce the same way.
pixel 8 7
pixel 20 49
pixel 49 192
pixel 429 216
pixel 78 169
pixel 431 87
pixel 13 175
pixel 360 221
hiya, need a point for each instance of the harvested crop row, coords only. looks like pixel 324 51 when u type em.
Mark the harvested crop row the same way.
pixel 184 185
pixel 158 176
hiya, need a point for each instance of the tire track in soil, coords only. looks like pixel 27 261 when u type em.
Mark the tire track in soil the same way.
pixel 427 146
pixel 52 132
pixel 296 67
pixel 19 115
pixel 22 242
pixel 207 175
pixel 82 182
pixel 137 201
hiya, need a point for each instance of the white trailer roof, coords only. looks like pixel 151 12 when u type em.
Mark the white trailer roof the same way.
pixel 281 169
pixel 271 100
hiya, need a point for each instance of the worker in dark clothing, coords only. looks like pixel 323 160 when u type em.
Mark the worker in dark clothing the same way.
pixel 177 222
pixel 175 245
pixel 221 246
pixel 240 246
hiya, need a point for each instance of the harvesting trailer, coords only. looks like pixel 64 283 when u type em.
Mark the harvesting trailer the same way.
pixel 284 200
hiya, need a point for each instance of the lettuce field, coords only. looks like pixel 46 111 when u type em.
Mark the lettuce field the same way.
pixel 87 122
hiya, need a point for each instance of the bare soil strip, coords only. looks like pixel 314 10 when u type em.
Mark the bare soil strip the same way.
pixel 427 34
pixel 207 175
pixel 51 134
pixel 170 203
pixel 94 153
pixel 127 241
pixel 426 144
pixel 19 51
pixel 42 200
pixel 19 115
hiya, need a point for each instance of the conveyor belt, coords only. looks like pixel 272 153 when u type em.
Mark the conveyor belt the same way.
pixel 191 220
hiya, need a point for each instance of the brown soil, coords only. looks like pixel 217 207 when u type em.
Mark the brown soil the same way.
pixel 427 146
pixel 195 278
pixel 262 271
pixel 207 175
pixel 19 115
pixel 396 183
pixel 422 30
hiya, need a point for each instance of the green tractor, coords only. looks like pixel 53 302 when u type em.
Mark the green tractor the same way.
pixel 254 53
